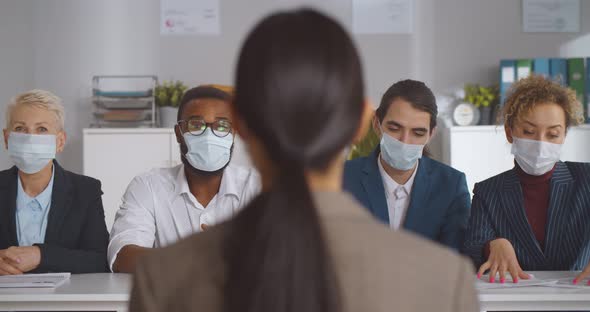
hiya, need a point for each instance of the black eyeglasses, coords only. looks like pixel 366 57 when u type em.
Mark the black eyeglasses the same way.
pixel 220 128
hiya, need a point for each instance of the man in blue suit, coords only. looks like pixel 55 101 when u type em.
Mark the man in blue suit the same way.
pixel 399 185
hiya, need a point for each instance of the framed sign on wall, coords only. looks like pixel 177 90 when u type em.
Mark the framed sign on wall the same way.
pixel 548 16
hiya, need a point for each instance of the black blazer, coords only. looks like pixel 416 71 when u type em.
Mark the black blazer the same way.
pixel 498 211
pixel 76 238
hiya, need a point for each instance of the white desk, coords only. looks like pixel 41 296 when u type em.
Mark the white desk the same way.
pixel 83 292
pixel 110 292
pixel 537 298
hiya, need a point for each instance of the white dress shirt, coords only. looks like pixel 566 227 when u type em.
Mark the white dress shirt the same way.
pixel 398 196
pixel 158 208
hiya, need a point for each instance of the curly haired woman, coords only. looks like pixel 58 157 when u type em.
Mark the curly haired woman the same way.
pixel 535 216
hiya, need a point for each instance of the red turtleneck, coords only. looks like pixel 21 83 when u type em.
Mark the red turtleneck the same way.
pixel 536 200
pixel 535 191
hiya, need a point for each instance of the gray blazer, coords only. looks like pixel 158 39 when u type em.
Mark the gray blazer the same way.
pixel 379 269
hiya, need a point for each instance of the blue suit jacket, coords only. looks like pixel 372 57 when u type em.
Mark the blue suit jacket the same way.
pixel 498 212
pixel 439 203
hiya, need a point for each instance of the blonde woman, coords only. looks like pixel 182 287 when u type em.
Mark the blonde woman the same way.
pixel 51 220
pixel 534 216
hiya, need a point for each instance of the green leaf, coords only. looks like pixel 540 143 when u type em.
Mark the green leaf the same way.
pixel 365 146
pixel 169 93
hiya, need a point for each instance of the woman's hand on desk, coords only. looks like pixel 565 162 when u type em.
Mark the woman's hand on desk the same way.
pixel 23 259
pixel 8 269
pixel 583 275
pixel 502 259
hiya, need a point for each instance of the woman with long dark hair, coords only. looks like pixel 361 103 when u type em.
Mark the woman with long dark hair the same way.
pixel 302 245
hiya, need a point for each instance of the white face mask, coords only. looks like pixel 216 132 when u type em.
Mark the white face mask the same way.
pixel 31 152
pixel 535 157
pixel 208 152
pixel 399 155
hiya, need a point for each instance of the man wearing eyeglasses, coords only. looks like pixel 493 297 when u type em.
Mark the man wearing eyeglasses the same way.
pixel 165 205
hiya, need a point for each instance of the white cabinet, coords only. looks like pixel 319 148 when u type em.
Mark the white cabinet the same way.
pixel 483 151
pixel 116 156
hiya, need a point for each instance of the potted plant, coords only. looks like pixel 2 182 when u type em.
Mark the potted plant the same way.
pixel 168 96
pixel 485 99
pixel 366 146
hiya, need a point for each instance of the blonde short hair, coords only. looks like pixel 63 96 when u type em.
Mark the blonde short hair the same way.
pixel 525 94
pixel 40 99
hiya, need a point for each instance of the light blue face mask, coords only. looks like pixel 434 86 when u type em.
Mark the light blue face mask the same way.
pixel 208 152
pixel 399 155
pixel 31 152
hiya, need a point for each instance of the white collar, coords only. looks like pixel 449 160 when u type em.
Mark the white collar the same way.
pixel 390 184
pixel 227 187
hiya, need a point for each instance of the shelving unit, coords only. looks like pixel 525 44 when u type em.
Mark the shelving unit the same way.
pixel 126 101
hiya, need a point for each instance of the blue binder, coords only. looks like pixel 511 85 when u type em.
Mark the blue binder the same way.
pixel 558 70
pixel 507 78
pixel 541 67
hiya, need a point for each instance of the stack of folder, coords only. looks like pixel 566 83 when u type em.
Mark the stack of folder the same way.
pixel 569 72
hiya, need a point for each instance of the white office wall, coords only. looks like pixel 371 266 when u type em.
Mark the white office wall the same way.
pixel 469 37
pixel 473 35
pixel 16 56
pixel 78 39
pixel 455 41
pixel 579 46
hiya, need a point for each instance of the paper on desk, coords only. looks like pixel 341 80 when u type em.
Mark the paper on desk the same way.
pixel 484 282
pixel 45 280
pixel 568 283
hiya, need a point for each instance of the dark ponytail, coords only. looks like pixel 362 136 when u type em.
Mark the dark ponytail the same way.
pixel 280 261
pixel 299 91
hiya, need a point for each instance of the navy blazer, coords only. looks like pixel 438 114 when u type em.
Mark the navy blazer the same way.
pixel 76 237
pixel 498 212
pixel 439 202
